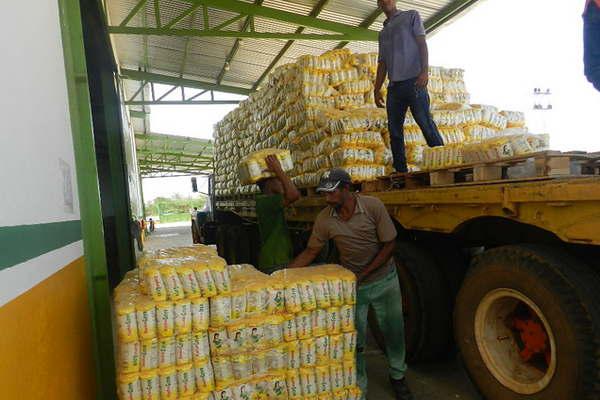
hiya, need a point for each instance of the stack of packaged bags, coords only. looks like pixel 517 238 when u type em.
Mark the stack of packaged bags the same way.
pixel 190 327
pixel 322 110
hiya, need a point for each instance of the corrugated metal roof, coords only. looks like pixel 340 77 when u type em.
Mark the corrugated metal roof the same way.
pixel 204 58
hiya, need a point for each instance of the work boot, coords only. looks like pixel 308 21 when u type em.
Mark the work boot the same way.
pixel 401 390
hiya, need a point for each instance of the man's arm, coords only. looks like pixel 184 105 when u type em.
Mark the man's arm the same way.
pixel 291 193
pixel 381 74
pixel 380 259
pixel 305 258
pixel 423 78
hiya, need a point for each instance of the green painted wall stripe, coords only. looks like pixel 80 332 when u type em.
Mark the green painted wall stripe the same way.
pixel 24 242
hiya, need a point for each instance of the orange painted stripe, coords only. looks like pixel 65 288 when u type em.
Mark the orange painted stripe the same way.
pixel 46 340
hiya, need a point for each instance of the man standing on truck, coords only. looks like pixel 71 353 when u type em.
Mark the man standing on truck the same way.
pixel 404 58
pixel 364 235
pixel 278 192
pixel 591 38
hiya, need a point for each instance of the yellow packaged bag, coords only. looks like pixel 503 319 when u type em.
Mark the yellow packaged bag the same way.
pixel 238 305
pixel 319 322
pixel 205 280
pixel 290 332
pixel 129 387
pixel 256 335
pixel 349 373
pixel 277 359
pixel 154 284
pixel 200 314
pixel 321 289
pixel 129 357
pixel 349 288
pixel 349 345
pixel 243 391
pixel 200 346
pixel 165 315
pixel 347 318
pixel 146 318
pixel 127 329
pixel 149 354
pixel 294 360
pixel 341 395
pixel 260 367
pixel 293 384
pixel 220 275
pixel 276 304
pixel 322 350
pixel 354 393
pixel 253 167
pixel 219 340
pixel 183 349
pixel 308 353
pixel 220 310
pixel 336 291
pixel 323 379
pixel 307 295
pixel 222 370
pixel 292 298
pixel 336 348
pixel 308 381
pixel 224 393
pixel 241 365
pixel 168 383
pixel 304 324
pixel 273 329
pixel 205 379
pixel 172 283
pixel 186 381
pixel 150 385
pixel 256 299
pixel 333 321
pixel 167 352
pixel 336 374
pixel 183 316
pixel 238 337
pixel 189 282
pixel 277 387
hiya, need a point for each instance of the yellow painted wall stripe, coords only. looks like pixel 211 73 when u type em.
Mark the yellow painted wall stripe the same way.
pixel 45 340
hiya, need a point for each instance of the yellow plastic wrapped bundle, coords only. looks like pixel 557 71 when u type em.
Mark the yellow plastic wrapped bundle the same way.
pixel 253 168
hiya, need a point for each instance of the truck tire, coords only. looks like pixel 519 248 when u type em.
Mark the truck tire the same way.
pixel 426 305
pixel 527 323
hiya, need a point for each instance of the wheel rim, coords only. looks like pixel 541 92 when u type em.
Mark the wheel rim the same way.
pixel 515 341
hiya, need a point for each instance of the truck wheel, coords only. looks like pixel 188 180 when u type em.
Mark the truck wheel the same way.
pixel 527 322
pixel 425 303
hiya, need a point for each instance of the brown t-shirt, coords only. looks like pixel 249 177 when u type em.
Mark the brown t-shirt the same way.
pixel 359 239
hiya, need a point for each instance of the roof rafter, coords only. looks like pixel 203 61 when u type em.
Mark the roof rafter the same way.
pixel 314 13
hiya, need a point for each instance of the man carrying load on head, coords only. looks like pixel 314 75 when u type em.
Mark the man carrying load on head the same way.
pixel 364 236
pixel 404 58
pixel 278 192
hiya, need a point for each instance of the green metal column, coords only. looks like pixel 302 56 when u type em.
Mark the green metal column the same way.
pixel 89 196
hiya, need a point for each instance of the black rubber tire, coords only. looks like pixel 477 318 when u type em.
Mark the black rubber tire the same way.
pixel 427 305
pixel 565 290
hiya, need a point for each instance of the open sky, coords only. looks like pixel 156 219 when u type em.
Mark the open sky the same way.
pixel 507 47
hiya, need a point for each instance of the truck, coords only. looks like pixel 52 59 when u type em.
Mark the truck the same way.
pixel 504 270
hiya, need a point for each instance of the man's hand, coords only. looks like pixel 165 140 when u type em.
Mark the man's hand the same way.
pixel 379 102
pixel 274 165
pixel 422 80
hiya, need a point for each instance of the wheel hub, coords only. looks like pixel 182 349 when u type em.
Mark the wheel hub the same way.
pixel 515 341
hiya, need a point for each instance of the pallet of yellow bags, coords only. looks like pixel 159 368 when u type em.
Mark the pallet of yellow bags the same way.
pixel 191 327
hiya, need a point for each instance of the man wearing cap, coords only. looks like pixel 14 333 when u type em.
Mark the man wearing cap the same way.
pixel 404 59
pixel 364 235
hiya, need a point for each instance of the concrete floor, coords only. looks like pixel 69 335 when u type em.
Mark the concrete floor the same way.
pixel 445 380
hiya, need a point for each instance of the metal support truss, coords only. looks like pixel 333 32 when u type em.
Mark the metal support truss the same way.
pixel 243 10
pixel 177 88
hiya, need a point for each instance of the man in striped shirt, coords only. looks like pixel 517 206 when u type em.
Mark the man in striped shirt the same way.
pixel 591 41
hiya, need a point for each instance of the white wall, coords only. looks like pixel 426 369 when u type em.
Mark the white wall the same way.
pixel 35 134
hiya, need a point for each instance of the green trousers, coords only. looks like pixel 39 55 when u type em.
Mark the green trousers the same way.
pixel 385 298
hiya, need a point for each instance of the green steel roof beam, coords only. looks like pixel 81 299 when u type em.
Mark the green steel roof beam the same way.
pixel 181 16
pixel 234 49
pixel 447 13
pixel 174 81
pixel 285 16
pixel 366 23
pixel 138 114
pixel 133 12
pixel 161 137
pixel 195 156
pixel 180 102
pixel 358 36
pixel 314 13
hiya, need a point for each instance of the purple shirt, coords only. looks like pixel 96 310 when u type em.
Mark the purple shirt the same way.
pixel 398 47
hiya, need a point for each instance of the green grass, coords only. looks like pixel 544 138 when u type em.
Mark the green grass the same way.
pixel 179 217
